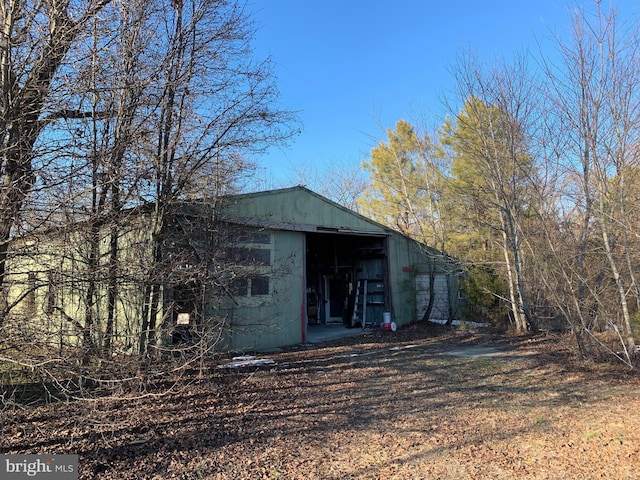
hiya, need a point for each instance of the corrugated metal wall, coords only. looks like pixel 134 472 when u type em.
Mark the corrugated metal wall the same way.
pixel 440 310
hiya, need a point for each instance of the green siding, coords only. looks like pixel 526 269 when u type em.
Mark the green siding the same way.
pixel 297 207
pixel 401 277
pixel 265 322
pixel 53 273
pixel 407 258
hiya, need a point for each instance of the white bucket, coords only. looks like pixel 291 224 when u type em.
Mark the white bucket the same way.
pixel 386 317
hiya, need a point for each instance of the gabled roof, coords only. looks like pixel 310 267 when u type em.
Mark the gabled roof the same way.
pixel 300 209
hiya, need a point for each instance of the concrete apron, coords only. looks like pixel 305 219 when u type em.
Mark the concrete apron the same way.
pixel 325 333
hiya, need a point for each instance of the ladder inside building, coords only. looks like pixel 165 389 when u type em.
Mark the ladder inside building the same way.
pixel 360 305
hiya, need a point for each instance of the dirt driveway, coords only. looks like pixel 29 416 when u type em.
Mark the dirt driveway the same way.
pixel 409 405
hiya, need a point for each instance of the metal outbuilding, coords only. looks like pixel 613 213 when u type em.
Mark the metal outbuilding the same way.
pixel 249 272
pixel 318 259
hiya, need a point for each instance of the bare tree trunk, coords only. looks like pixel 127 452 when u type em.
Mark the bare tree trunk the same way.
pixel 622 294
pixel 513 303
pixel 151 309
pixel 112 289
pixel 528 323
pixel 91 291
pixel 146 314
pixel 432 292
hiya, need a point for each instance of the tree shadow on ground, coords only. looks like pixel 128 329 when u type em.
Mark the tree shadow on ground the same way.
pixel 409 386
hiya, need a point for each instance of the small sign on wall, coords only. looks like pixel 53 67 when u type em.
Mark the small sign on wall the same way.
pixel 184 319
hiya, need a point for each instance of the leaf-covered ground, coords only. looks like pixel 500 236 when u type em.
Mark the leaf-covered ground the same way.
pixel 382 406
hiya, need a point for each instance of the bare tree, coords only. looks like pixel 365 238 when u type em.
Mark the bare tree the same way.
pixel 35 42
pixel 156 106
pixel 337 180
pixel 213 103
pixel 595 100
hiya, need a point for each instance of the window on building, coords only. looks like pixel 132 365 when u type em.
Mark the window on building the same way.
pixel 239 287
pixel 260 256
pixel 241 234
pixel 259 286
pixel 262 238
pixel 249 256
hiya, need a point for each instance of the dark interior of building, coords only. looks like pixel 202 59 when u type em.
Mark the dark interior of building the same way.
pixel 336 266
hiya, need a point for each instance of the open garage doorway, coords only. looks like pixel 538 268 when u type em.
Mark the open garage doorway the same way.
pixel 335 263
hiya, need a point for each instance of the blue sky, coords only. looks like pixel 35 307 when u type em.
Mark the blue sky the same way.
pixel 353 68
